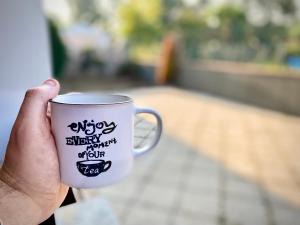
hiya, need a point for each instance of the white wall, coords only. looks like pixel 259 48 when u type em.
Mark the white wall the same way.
pixel 278 92
pixel 24 57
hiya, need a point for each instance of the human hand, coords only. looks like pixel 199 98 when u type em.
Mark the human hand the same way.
pixel 31 168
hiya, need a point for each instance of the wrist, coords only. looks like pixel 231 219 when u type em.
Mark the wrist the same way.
pixel 16 207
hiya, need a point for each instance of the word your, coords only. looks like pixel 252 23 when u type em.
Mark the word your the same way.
pixel 91 127
pixel 93 154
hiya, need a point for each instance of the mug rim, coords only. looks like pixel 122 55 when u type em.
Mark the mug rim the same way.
pixel 91 160
pixel 107 99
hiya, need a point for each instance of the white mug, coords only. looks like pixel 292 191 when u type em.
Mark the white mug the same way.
pixel 94 137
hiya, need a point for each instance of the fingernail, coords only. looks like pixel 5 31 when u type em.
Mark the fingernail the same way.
pixel 50 82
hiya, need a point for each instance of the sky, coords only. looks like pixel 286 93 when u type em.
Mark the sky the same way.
pixel 59 9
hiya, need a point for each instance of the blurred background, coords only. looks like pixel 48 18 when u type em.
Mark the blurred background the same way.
pixel 139 35
pixel 225 75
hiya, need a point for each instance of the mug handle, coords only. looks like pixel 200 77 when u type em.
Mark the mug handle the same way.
pixel 107 167
pixel 141 151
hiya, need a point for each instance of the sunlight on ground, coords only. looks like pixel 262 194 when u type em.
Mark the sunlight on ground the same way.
pixel 260 145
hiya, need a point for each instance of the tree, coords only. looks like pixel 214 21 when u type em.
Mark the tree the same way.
pixel 233 24
pixel 85 10
pixel 58 50
pixel 140 21
pixel 191 27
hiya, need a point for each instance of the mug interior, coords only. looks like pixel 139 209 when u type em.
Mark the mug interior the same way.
pixel 90 99
pixel 87 162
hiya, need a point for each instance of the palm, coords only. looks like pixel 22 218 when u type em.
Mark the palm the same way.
pixel 31 165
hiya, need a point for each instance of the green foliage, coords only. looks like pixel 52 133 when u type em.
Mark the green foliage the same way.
pixel 224 25
pixel 294 31
pixel 221 32
pixel 58 50
pixel 131 69
pixel 191 27
pixel 293 48
pixel 269 33
pixel 140 21
pixel 293 41
pixel 233 24
pixel 287 6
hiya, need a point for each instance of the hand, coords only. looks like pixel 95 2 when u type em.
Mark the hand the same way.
pixel 31 168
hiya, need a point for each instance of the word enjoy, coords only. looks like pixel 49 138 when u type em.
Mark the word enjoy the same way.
pixel 89 128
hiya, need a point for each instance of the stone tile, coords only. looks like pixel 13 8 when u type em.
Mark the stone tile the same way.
pixel 254 149
pixel 141 215
pixel 284 180
pixel 290 193
pixel 277 176
pixel 122 190
pixel 247 171
pixel 201 161
pixel 138 173
pixel 143 165
pixel 201 181
pixel 170 164
pixel 146 162
pixel 206 171
pixel 168 177
pixel 89 212
pixel 278 202
pixel 205 203
pixel 118 208
pixel 287 217
pixel 242 189
pixel 243 212
pixel 159 195
pixel 188 219
pixel 175 146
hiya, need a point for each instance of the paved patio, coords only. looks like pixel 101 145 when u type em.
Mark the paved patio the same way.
pixel 218 162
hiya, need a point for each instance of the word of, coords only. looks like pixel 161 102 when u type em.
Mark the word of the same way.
pixel 94 154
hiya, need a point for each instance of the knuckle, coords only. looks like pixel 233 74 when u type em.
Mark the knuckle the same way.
pixel 32 92
pixel 36 92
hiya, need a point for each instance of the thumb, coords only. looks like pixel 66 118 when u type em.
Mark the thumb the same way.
pixel 36 99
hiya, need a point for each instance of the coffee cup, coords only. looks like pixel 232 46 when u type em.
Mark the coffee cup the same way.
pixel 94 137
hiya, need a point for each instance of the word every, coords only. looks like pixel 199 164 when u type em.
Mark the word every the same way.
pixel 76 140
pixel 91 127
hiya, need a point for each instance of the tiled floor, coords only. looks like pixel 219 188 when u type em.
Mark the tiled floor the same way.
pixel 218 162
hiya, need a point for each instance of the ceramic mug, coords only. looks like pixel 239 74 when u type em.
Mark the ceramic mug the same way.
pixel 94 137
